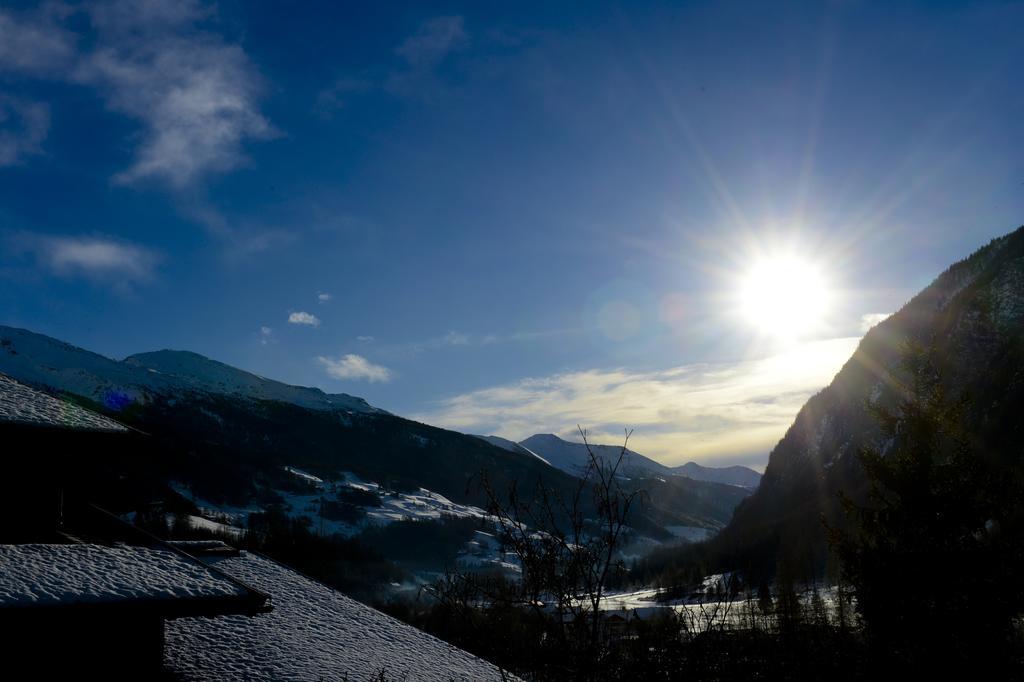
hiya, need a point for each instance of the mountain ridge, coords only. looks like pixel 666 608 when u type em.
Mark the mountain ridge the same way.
pixel 573 457
pixel 742 476
pixel 115 383
pixel 972 316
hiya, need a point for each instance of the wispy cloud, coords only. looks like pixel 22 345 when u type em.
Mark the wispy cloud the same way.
pixel 710 412
pixel 422 54
pixel 24 125
pixel 92 257
pixel 323 298
pixel 364 339
pixel 353 366
pixel 449 339
pixel 304 318
pixel 433 41
pixel 420 57
pixel 454 338
pixel 240 241
pixel 266 336
pixel 871 319
pixel 196 95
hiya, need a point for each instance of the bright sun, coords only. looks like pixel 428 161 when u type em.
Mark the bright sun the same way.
pixel 784 295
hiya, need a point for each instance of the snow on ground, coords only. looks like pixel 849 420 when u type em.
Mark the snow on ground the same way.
pixel 224 514
pixel 630 600
pixel 394 506
pixel 313 633
pixel 207 524
pixel 50 574
pixel 701 612
pixel 690 533
pixel 422 505
pixel 484 552
pixel 315 480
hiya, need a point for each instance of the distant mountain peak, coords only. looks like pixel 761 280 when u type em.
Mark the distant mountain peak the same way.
pixel 731 475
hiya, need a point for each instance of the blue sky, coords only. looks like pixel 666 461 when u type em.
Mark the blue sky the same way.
pixel 507 217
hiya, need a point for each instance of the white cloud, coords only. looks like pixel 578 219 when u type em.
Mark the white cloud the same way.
pixel 365 339
pixel 353 366
pixel 23 127
pixel 93 257
pixel 434 39
pixel 869 320
pixel 706 411
pixel 323 298
pixel 154 60
pixel 304 318
pixel 266 336
pixel 196 95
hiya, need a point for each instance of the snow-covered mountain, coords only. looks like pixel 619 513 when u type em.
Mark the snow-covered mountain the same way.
pixel 37 359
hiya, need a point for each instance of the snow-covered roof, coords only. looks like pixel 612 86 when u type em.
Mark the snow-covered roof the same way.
pixel 314 632
pixel 79 574
pixel 24 405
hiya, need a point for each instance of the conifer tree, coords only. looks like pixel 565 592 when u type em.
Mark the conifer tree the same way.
pixel 925 558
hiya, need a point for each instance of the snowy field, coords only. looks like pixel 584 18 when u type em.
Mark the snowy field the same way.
pixel 702 612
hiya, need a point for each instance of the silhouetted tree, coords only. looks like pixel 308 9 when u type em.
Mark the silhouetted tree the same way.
pixel 567 548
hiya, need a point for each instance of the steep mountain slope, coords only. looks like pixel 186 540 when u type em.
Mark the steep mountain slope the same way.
pixel 511 446
pixel 734 475
pixel 973 317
